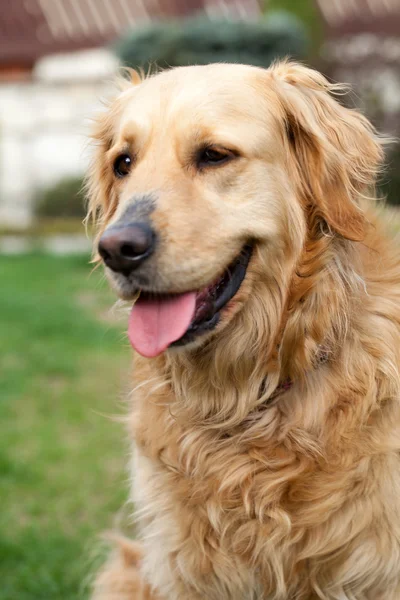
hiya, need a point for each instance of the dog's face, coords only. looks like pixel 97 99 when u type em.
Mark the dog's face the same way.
pixel 199 171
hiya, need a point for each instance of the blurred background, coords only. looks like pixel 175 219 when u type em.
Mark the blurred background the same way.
pixel 63 355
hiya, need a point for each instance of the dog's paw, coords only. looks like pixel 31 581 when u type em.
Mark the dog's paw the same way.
pixel 120 577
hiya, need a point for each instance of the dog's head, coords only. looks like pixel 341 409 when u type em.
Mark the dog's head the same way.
pixel 208 178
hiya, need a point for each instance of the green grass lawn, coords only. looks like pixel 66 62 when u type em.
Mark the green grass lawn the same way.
pixel 63 370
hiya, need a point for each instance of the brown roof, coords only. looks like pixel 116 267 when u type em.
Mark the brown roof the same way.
pixel 30 29
pixel 349 17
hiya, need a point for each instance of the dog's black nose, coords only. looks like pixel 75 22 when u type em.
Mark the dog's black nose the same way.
pixel 124 248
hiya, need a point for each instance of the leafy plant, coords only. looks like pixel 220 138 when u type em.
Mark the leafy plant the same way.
pixel 63 199
pixel 390 186
pixel 202 41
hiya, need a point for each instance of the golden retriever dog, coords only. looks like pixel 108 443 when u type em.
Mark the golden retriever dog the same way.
pixel 233 212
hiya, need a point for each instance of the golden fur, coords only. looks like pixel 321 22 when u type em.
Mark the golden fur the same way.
pixel 243 491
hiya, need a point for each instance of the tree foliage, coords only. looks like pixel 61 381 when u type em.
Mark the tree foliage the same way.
pixel 202 41
pixel 390 184
pixel 63 199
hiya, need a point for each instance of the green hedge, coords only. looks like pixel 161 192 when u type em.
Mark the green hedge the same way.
pixel 308 14
pixel 64 199
pixel 202 41
pixel 390 184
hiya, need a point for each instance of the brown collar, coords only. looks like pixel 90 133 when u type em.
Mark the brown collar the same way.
pixel 322 357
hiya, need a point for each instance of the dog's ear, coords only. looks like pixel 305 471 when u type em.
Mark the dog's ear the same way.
pixel 333 151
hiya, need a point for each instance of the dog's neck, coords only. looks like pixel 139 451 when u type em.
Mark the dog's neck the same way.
pixel 323 355
pixel 275 338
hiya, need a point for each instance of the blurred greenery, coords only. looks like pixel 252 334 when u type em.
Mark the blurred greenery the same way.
pixel 390 186
pixel 47 226
pixel 62 465
pixel 307 13
pixel 63 199
pixel 202 41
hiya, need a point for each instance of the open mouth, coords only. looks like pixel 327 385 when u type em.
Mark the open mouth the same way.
pixel 158 321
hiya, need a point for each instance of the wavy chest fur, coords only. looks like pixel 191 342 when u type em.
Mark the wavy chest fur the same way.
pixel 236 515
pixel 291 500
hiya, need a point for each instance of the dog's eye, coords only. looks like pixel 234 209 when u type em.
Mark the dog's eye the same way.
pixel 212 156
pixel 122 165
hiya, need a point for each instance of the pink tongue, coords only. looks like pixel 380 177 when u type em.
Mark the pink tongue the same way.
pixel 155 324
